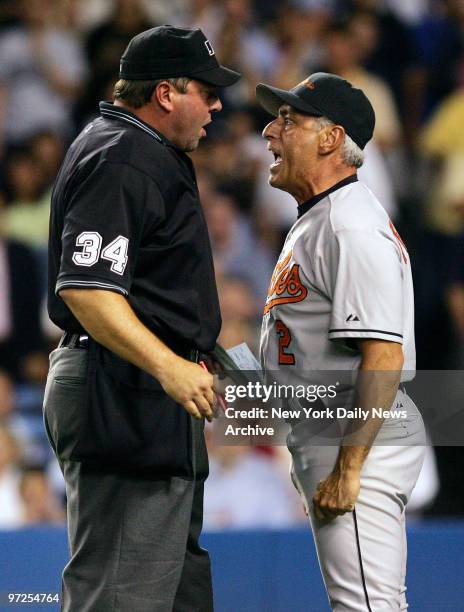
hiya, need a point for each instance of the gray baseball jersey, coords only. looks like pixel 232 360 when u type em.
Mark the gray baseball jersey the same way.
pixel 344 273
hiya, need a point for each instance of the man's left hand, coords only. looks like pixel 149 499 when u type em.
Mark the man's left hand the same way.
pixel 336 495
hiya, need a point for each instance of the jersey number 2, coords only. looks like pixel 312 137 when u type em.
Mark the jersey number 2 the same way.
pixel 91 242
pixel 285 337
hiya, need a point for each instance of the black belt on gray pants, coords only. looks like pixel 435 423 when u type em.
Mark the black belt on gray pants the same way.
pixel 70 340
pixel 81 341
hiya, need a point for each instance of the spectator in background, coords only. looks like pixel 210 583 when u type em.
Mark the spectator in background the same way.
pixel 410 12
pixel 237 250
pixel 442 141
pixel 30 173
pixel 41 71
pixel 343 58
pixel 11 507
pixel 438 39
pixel 238 309
pixel 450 459
pixel 25 495
pixel 238 38
pixel 442 144
pixel 23 426
pixel 246 490
pixel 250 181
pixel 106 42
pixel 299 34
pixel 439 279
pixel 40 506
pixel 27 214
pixel 104 45
pixel 427 485
pixel 206 15
pixel 231 157
pixel 385 43
pixel 454 295
pixel 21 343
pixel 244 45
pixel 387 49
pixel 175 11
pixel 47 149
pixel 8 15
pixel 7 397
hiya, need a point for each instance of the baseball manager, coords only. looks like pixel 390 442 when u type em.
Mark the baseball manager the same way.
pixel 341 298
pixel 131 283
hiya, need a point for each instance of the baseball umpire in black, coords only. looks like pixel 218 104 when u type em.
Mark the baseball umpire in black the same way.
pixel 131 283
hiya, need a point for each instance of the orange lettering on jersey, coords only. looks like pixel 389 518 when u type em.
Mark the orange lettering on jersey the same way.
pixel 400 241
pixel 285 282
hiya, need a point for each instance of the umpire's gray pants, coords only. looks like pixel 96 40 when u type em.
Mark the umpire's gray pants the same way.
pixel 133 541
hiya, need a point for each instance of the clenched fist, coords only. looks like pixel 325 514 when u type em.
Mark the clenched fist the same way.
pixel 336 495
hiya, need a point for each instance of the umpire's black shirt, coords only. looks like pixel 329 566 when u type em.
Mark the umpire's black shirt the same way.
pixel 126 217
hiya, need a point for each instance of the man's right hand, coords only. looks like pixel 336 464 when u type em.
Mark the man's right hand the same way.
pixel 190 386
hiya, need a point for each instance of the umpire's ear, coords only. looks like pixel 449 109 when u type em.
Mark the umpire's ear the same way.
pixel 331 138
pixel 164 96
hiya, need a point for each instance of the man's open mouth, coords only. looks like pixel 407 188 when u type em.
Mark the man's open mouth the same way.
pixel 277 160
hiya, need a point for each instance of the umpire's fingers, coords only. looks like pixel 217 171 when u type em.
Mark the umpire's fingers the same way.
pixel 192 409
pixel 203 406
pixel 211 398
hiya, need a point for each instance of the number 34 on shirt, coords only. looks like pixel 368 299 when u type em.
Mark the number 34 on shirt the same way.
pixel 91 243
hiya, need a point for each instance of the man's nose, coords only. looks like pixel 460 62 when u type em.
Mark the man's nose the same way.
pixel 270 131
pixel 216 105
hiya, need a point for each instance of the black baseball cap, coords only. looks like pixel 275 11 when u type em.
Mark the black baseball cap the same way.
pixel 328 95
pixel 167 52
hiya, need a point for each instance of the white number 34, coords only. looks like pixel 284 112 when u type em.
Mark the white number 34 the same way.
pixel 91 243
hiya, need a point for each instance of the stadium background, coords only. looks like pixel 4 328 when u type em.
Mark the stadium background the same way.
pixel 58 58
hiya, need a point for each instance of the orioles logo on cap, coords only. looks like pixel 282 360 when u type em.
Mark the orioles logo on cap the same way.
pixel 308 83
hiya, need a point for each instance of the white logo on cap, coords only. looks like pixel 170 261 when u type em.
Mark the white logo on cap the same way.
pixel 209 46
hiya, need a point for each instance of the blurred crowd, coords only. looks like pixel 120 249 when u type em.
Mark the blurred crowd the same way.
pixel 58 58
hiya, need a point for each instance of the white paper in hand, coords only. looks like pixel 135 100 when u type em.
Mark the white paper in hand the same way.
pixel 243 357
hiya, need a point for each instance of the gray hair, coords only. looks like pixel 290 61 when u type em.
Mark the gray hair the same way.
pixel 352 154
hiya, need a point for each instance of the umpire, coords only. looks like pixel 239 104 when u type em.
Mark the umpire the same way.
pixel 131 283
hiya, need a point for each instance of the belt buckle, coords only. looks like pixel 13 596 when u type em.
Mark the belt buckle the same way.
pixel 82 341
pixel 73 341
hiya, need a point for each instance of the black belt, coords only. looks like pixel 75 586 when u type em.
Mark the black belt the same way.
pixel 81 341
pixel 69 340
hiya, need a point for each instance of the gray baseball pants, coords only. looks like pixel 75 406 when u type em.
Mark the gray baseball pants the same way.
pixel 133 541
pixel 362 554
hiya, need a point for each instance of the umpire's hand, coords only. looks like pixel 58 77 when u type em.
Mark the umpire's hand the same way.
pixel 189 385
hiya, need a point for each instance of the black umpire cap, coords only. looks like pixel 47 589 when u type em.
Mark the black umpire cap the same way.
pixel 167 52
pixel 328 95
